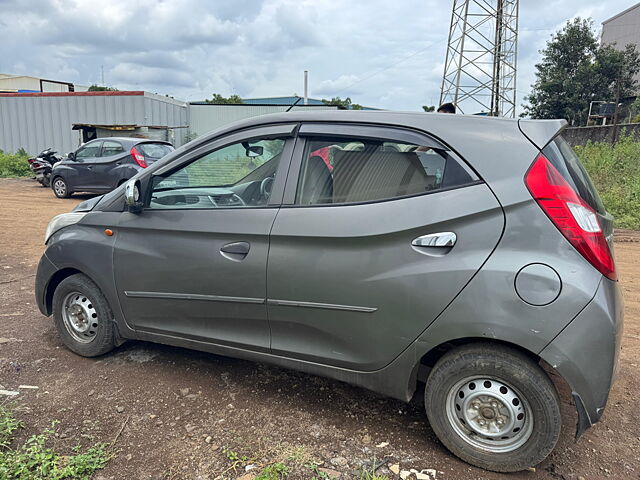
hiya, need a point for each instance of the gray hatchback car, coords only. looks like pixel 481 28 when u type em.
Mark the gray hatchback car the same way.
pixel 101 165
pixel 381 249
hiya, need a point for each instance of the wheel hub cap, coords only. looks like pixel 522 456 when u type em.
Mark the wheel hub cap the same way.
pixel 489 414
pixel 80 317
pixel 60 187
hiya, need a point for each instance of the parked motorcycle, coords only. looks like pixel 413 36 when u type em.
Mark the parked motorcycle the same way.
pixel 42 164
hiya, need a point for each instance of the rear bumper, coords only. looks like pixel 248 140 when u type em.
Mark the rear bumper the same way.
pixel 586 353
pixel 46 269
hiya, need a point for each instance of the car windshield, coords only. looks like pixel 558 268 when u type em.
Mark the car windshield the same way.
pixel 155 150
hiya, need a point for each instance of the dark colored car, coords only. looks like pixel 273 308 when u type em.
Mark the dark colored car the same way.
pixel 469 253
pixel 101 165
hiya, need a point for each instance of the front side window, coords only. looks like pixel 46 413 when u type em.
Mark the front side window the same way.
pixel 356 170
pixel 89 151
pixel 238 175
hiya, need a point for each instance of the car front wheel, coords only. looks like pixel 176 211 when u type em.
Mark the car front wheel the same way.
pixel 60 188
pixel 493 407
pixel 82 317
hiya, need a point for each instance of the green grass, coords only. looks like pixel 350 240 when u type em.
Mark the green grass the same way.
pixel 275 471
pixel 615 171
pixel 36 459
pixel 14 164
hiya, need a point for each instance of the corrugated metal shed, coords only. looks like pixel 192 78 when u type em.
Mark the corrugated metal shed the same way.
pixel 205 117
pixel 35 121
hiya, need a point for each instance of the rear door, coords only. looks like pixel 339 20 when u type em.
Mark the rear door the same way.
pixel 112 155
pixel 379 231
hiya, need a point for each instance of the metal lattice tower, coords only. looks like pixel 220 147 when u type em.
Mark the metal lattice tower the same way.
pixel 480 66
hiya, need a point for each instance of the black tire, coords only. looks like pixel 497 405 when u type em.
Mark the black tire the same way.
pixel 96 340
pixel 60 188
pixel 454 374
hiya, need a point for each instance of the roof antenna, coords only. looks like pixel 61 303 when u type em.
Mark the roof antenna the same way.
pixel 293 104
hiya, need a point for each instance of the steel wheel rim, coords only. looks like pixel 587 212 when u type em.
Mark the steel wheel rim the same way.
pixel 489 414
pixel 60 187
pixel 80 317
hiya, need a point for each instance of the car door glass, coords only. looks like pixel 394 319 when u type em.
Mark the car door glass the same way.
pixel 110 148
pixel 238 175
pixel 342 170
pixel 90 151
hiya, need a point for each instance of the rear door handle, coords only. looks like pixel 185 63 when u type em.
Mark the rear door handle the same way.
pixel 441 242
pixel 235 251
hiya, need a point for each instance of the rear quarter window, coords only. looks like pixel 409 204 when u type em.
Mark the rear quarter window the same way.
pixel 562 156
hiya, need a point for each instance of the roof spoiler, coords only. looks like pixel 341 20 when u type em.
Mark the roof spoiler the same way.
pixel 540 132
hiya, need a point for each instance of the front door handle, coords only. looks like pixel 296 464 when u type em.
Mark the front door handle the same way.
pixel 435 243
pixel 235 251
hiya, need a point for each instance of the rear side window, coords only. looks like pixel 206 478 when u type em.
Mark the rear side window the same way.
pixel 341 170
pixel 154 150
pixel 565 160
pixel 110 148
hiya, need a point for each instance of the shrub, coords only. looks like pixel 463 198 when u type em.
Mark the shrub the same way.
pixel 615 171
pixel 14 164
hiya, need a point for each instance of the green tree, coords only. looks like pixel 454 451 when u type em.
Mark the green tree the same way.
pixel 635 110
pixel 218 99
pixel 564 84
pixel 347 104
pixel 101 88
pixel 428 108
pixel 575 71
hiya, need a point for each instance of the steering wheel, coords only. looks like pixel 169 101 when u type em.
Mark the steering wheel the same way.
pixel 265 187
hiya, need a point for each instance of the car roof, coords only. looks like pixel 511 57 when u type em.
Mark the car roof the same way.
pixel 130 140
pixel 445 126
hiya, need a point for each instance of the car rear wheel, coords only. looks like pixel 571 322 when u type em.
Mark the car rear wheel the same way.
pixel 82 317
pixel 493 407
pixel 60 188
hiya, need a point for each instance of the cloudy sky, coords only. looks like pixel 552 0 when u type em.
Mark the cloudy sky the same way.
pixel 382 53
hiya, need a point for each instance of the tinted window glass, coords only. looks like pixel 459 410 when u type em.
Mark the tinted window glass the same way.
pixel 562 156
pixel 91 150
pixel 239 175
pixel 110 148
pixel 154 150
pixel 343 170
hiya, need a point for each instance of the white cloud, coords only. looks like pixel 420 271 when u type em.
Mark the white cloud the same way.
pixel 190 49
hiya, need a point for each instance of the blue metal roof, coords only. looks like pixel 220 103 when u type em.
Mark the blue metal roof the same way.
pixel 281 101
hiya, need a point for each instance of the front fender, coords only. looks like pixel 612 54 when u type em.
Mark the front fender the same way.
pixel 86 248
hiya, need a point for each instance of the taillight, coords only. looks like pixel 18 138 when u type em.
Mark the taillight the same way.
pixel 576 220
pixel 138 157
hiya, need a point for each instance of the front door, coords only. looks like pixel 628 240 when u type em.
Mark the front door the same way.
pixel 193 263
pixel 378 232
pixel 83 165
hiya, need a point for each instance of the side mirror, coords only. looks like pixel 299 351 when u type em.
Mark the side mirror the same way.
pixel 132 196
pixel 72 156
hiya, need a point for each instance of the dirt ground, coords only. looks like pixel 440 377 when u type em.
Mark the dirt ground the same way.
pixel 172 413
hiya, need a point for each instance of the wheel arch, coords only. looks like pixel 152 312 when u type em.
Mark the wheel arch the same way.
pixel 55 280
pixel 428 360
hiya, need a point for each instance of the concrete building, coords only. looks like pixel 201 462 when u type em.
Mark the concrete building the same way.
pixel 64 120
pixel 623 29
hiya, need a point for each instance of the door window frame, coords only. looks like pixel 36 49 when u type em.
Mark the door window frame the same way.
pixel 114 154
pixel 90 144
pixel 355 131
pixel 286 131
